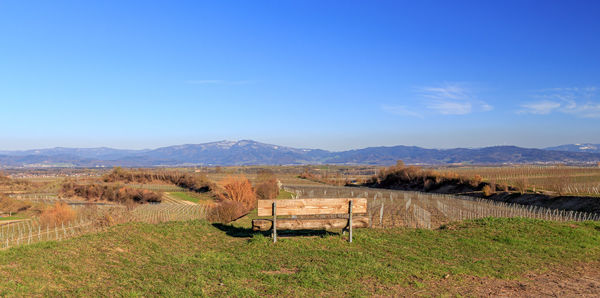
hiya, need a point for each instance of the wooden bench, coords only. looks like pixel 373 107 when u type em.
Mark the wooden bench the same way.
pixel 327 206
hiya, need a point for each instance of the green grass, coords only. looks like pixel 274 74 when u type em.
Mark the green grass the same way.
pixel 284 195
pixel 14 217
pixel 191 197
pixel 197 258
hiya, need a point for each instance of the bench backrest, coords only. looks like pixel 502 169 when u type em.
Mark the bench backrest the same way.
pixel 312 206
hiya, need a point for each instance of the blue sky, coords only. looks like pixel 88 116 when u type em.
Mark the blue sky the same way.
pixel 320 74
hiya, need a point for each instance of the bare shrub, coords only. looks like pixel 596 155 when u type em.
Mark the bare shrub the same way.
pixel 405 177
pixel 476 181
pixel 265 175
pixel 226 211
pixel 14 184
pixel 104 217
pixel 268 190
pixel 111 193
pixel 194 182
pixel 487 191
pixel 267 187
pixel 58 214
pixel 521 185
pixel 8 204
pixel 428 185
pixel 239 189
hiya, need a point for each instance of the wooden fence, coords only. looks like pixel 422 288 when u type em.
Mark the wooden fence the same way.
pixel 392 208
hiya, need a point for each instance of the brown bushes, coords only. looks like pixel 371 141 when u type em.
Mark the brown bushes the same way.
pixel 268 190
pixel 111 193
pixel 58 214
pixel 487 191
pixel 239 189
pixel 226 211
pixel 416 178
pixel 14 184
pixel 236 200
pixel 4 179
pixel 10 205
pixel 412 177
pixel 267 187
pixel 521 185
pixel 104 217
pixel 193 182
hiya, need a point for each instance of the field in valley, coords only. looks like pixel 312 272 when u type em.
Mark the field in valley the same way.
pixel 417 244
pixel 565 180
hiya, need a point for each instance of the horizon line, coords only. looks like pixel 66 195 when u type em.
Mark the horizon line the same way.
pixel 302 148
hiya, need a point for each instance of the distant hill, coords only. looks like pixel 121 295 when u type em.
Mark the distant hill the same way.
pixel 92 153
pixel 590 148
pixel 247 152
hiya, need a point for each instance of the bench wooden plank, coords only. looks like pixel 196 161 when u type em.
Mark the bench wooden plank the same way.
pixel 309 224
pixel 312 206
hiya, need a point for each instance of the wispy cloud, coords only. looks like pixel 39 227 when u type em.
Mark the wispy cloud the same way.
pixel 577 101
pixel 452 99
pixel 400 110
pixel 219 82
pixel 450 107
pixel 444 99
pixel 541 107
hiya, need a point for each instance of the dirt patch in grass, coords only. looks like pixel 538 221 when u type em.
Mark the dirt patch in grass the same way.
pixel 281 271
pixel 581 280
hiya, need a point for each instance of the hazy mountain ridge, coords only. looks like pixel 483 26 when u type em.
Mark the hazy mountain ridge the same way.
pixel 247 152
pixel 591 148
pixel 92 153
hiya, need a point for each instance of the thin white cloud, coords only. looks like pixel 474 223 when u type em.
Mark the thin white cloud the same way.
pixel 588 110
pixel 541 107
pixel 486 107
pixel 576 101
pixel 450 107
pixel 400 110
pixel 218 82
pixel 453 99
pixel 445 99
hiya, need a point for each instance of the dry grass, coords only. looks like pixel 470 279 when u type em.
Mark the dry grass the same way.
pixel 9 184
pixel 58 214
pixel 10 205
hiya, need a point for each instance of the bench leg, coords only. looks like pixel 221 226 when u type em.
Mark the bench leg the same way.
pixel 274 222
pixel 350 222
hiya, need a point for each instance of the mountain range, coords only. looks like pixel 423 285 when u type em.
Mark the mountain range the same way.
pixel 591 148
pixel 247 152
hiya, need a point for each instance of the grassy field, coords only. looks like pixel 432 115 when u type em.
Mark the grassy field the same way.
pixel 197 258
pixel 284 195
pixel 185 196
pixel 14 217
